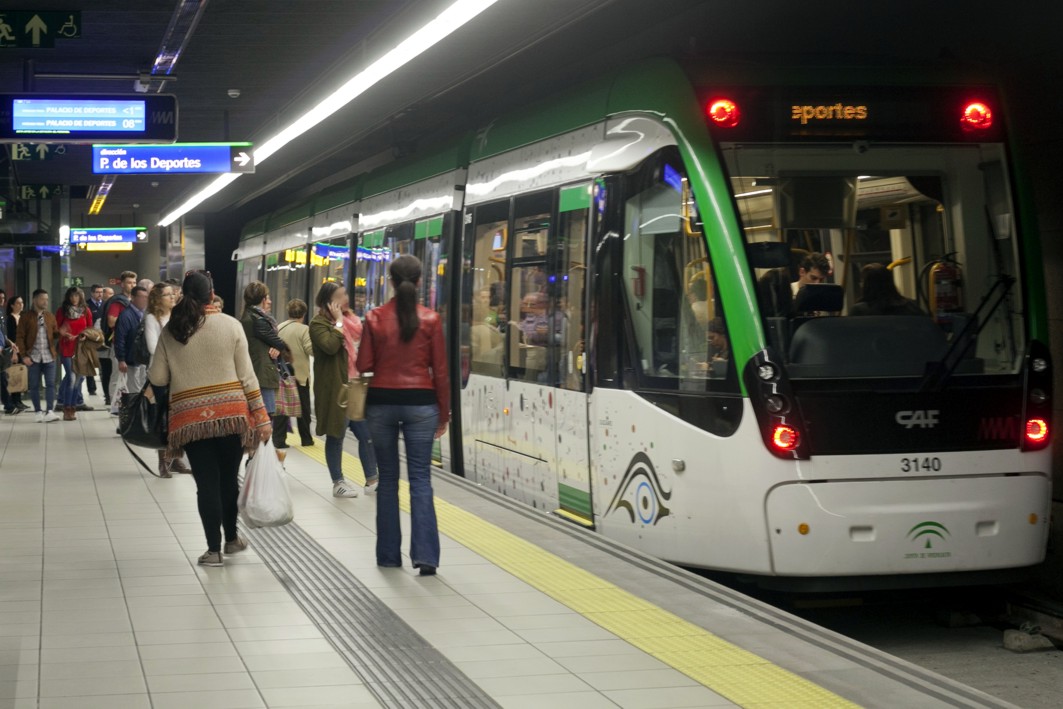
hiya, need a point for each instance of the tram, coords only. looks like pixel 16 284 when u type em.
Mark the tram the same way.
pixel 661 324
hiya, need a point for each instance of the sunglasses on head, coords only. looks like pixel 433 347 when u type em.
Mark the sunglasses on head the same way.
pixel 199 270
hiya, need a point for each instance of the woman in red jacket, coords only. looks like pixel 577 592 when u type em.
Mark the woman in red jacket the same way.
pixel 402 346
pixel 72 318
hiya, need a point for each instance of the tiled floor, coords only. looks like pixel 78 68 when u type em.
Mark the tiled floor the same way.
pixel 101 604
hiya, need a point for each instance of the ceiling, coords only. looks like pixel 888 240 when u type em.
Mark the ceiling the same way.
pixel 284 56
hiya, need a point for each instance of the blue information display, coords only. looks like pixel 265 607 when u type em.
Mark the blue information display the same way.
pixel 112 235
pixel 171 159
pixel 88 118
pixel 35 115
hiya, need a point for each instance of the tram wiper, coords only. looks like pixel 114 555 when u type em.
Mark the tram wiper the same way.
pixel 939 372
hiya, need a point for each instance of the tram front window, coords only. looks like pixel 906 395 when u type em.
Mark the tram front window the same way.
pixel 923 231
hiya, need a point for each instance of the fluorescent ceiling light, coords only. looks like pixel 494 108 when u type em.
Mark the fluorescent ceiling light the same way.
pixel 454 17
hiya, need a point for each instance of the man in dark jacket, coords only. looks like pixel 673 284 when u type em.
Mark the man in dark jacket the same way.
pixel 125 331
pixel 95 306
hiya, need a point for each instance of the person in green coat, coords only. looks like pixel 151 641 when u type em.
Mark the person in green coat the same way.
pixel 332 366
pixel 263 343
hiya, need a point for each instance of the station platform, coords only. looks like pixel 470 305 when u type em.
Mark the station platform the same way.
pixel 102 605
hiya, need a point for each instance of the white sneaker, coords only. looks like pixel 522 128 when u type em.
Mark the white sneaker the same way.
pixel 51 416
pixel 370 488
pixel 343 488
pixel 39 417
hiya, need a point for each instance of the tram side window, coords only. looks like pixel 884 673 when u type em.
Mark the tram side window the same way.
pixel 680 333
pixel 533 334
pixel 488 318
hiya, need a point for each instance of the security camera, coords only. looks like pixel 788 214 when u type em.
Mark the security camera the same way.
pixel 233 93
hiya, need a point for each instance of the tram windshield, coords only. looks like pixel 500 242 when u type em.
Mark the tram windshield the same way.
pixel 901 260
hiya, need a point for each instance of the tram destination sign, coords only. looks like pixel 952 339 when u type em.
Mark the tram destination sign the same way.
pixel 88 118
pixel 109 235
pixel 172 159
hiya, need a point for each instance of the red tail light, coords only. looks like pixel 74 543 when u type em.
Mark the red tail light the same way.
pixel 723 113
pixel 1036 430
pixel 976 116
pixel 784 437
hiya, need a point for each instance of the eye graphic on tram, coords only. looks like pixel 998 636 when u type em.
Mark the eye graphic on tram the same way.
pixel 640 493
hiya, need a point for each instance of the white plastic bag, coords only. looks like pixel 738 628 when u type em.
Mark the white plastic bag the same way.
pixel 120 388
pixel 264 500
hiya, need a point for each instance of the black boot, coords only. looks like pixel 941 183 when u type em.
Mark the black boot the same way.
pixel 280 432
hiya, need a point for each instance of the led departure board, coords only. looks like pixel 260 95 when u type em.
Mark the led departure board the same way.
pixel 88 118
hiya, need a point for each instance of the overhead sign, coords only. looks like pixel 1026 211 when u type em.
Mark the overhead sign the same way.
pixel 88 118
pixel 169 159
pixel 112 235
pixel 40 191
pixel 36 151
pixel 27 29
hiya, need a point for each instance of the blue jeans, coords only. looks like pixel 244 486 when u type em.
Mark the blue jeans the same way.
pixel 269 398
pixel 417 425
pixel 366 454
pixel 70 387
pixel 48 370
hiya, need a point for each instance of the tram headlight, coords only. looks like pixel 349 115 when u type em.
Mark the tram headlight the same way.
pixel 1039 364
pixel 1038 396
pixel 776 404
pixel 766 372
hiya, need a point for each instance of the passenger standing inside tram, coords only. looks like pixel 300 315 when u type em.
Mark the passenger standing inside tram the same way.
pixel 409 393
pixel 216 409
pixel 14 312
pixel 36 341
pixel 161 301
pixel 72 318
pixel 263 342
pixel 296 334
pixel 334 355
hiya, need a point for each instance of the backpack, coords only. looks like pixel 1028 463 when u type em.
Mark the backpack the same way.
pixel 108 332
pixel 138 349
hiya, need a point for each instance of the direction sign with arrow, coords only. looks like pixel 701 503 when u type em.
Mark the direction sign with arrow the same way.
pixel 28 29
pixel 36 151
pixel 171 159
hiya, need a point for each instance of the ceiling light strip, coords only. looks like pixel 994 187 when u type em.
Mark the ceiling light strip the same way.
pixel 106 183
pixel 451 19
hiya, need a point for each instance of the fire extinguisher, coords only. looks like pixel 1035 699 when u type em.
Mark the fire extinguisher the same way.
pixel 946 287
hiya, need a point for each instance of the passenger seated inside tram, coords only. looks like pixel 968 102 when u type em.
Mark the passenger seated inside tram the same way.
pixel 814 268
pixel 719 350
pixel 879 294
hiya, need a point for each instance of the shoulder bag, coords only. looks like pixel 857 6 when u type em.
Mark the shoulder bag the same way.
pixel 18 379
pixel 144 421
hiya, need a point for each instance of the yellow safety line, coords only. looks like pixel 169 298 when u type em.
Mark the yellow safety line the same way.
pixel 737 674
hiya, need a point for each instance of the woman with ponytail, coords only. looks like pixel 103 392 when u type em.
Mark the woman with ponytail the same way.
pixel 216 409
pixel 409 393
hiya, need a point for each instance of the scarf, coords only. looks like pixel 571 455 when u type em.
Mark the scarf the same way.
pixel 74 312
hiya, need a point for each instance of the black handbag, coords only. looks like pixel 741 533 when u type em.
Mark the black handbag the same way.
pixel 145 423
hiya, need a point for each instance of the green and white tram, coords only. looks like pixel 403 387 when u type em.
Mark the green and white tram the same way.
pixel 634 345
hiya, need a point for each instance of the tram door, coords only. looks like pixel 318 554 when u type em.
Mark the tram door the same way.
pixel 568 298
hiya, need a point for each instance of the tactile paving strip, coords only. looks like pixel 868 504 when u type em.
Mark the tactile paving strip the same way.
pixel 737 674
pixel 398 666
